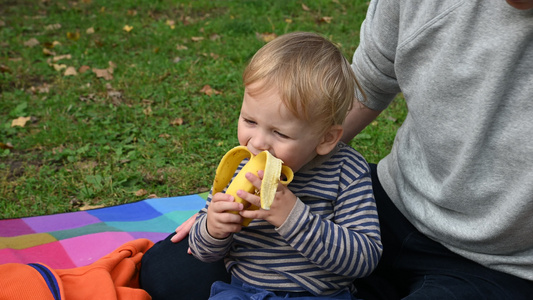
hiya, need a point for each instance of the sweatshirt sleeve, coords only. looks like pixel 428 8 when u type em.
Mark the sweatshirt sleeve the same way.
pixel 373 60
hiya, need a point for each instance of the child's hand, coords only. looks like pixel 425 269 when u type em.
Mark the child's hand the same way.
pixel 279 210
pixel 220 222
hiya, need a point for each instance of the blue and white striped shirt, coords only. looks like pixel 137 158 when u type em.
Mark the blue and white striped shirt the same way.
pixel 330 238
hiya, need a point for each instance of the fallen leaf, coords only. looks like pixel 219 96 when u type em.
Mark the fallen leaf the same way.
pixel 87 206
pixel 214 37
pixel 90 97
pixel 141 192
pixel 5 69
pixel 112 66
pixel 132 12
pixel 288 21
pixel 48 45
pixel 176 59
pixel 47 52
pixel 181 47
pixel 304 7
pixel 164 135
pixel 60 57
pixel 6 146
pixel 20 121
pixel 147 111
pixel 74 36
pixel 152 196
pixel 127 28
pixel 171 24
pixel 103 73
pixel 59 67
pixel 177 122
pixel 31 43
pixel 83 69
pixel 326 19
pixel 70 71
pixel 197 38
pixel 52 27
pixel 41 89
pixel 266 37
pixel 89 30
pixel 209 91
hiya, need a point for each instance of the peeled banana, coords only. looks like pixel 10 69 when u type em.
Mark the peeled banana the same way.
pixel 273 170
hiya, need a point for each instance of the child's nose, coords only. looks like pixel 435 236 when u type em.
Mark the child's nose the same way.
pixel 260 142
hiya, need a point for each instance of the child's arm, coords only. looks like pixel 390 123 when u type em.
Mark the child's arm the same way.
pixel 210 237
pixel 347 242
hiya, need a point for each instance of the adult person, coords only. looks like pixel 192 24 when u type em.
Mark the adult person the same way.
pixel 455 195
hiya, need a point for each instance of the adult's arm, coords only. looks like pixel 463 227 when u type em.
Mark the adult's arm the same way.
pixel 373 65
pixel 357 119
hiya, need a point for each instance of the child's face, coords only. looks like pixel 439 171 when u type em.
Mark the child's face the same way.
pixel 266 124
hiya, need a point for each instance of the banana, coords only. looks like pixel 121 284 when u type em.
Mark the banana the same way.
pixel 273 169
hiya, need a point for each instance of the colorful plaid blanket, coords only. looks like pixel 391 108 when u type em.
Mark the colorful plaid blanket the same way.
pixel 80 238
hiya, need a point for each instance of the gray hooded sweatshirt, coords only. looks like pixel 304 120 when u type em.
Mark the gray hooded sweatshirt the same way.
pixel 461 168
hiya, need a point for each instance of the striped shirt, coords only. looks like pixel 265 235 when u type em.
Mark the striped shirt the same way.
pixel 330 237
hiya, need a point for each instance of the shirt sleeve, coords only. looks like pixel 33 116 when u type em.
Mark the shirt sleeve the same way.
pixel 349 243
pixel 203 246
pixel 373 60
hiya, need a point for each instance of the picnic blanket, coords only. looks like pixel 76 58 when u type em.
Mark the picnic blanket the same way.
pixel 76 239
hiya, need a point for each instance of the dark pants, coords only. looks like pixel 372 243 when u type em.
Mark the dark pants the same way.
pixel 412 267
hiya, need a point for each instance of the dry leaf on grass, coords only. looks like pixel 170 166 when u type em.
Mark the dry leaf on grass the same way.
pixel 5 69
pixel 87 206
pixel 60 57
pixel 107 74
pixel 59 67
pixel 127 28
pixel 83 69
pixel 52 27
pixel 20 121
pixel 70 71
pixel 325 19
pixel 141 192
pixel 177 122
pixel 31 43
pixel 208 90
pixel 266 37
pixel 74 36
pixel 6 146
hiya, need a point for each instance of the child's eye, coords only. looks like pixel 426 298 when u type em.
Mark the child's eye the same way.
pixel 281 135
pixel 248 121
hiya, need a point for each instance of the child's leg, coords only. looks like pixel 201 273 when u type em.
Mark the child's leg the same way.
pixel 168 272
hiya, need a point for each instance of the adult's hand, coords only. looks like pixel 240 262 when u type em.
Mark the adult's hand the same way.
pixel 182 231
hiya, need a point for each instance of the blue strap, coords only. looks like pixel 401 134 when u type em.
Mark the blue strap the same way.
pixel 50 279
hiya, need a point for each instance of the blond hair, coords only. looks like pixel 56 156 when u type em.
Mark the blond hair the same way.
pixel 314 79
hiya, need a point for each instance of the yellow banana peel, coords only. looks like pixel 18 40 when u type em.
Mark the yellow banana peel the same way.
pixel 273 170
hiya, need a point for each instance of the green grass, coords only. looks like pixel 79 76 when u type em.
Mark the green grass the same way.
pixel 92 141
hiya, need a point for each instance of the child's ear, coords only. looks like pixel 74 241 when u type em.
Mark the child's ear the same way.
pixel 329 140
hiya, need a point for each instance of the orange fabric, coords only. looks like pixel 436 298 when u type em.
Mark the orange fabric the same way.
pixel 114 276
